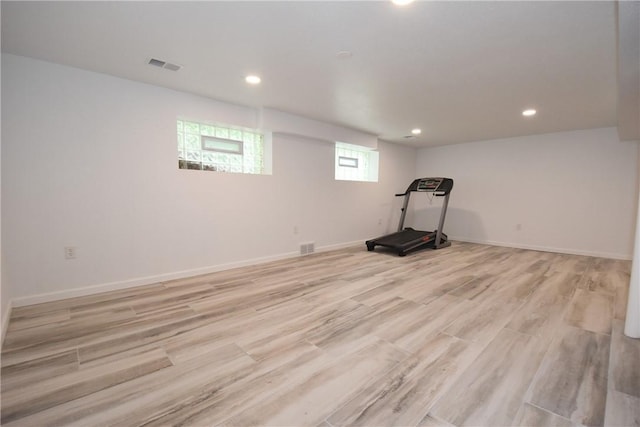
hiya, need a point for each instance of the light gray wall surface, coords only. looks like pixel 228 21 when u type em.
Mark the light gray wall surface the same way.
pixel 572 192
pixel 90 161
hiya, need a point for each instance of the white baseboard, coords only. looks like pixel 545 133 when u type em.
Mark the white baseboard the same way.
pixel 140 281
pixel 625 257
pixel 148 280
pixel 5 322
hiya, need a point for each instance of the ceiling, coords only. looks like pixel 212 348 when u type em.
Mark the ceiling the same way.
pixel 460 71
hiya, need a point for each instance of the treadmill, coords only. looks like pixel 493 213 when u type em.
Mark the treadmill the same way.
pixel 408 239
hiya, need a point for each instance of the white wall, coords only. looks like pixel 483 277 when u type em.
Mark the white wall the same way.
pixel 571 192
pixel 90 161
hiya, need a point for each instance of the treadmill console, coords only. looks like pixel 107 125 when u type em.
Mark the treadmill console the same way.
pixel 429 184
pixel 437 186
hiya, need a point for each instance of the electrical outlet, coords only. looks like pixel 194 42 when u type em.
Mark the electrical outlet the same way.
pixel 70 252
pixel 518 227
pixel 295 229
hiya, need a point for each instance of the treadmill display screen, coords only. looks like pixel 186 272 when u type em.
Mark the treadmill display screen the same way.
pixel 430 184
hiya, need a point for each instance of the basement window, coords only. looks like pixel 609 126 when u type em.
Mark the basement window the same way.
pixel 221 148
pixel 356 163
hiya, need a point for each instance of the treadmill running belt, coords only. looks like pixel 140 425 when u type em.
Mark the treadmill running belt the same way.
pixel 401 238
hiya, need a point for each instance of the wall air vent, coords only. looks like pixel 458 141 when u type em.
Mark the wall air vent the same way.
pixel 307 248
pixel 164 64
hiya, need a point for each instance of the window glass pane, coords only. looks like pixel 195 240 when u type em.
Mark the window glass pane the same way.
pixel 248 137
pixel 191 127
pixel 350 162
pixel 207 130
pixel 222 132
pixel 192 142
pixel 193 155
pixel 220 145
pixel 180 140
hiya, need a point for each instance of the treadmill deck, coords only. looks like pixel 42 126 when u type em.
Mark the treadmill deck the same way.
pixel 402 238
pixel 406 240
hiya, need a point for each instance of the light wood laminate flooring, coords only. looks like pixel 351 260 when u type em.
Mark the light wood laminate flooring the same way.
pixel 470 335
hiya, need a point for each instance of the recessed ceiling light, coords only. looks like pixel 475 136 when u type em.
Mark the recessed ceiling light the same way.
pixel 253 79
pixel 530 112
pixel 416 131
pixel 401 2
